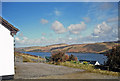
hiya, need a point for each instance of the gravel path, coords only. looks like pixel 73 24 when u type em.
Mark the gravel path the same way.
pixel 36 70
pixel 80 75
pixel 47 71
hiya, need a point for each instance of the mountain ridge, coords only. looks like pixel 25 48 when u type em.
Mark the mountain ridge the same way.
pixel 77 48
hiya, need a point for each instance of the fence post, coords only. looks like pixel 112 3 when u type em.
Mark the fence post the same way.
pixel 38 58
pixel 44 59
pixel 22 59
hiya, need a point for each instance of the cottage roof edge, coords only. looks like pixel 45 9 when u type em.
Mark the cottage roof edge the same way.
pixel 8 25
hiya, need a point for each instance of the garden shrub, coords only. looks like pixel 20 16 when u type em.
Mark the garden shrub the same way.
pixel 62 57
pixel 58 57
pixel 85 62
pixel 72 58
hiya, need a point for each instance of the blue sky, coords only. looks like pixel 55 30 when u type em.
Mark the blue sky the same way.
pixel 46 23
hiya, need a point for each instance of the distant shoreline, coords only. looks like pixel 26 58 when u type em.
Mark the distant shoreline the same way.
pixel 65 52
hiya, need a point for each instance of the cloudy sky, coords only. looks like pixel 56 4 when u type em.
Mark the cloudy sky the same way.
pixel 49 23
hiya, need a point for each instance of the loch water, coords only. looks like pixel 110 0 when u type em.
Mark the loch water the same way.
pixel 101 58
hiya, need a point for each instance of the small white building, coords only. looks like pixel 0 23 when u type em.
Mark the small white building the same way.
pixel 7 32
pixel 97 63
pixel 90 62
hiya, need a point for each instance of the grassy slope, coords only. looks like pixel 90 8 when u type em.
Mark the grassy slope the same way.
pixel 27 57
pixel 84 48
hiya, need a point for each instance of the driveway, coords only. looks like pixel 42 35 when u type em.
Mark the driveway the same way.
pixel 37 70
pixel 48 71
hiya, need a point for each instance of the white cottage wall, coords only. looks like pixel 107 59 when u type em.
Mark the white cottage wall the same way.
pixel 6 52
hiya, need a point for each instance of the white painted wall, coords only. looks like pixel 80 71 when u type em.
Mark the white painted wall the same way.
pixel 6 52
pixel 97 63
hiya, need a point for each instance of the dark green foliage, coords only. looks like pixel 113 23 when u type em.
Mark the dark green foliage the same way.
pixel 113 58
pixel 48 59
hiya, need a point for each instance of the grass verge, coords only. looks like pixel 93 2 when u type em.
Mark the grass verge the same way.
pixel 28 57
pixel 87 67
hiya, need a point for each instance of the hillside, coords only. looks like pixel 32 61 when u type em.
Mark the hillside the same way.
pixel 83 48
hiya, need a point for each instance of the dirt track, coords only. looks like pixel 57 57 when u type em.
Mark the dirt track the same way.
pixel 36 70
pixel 47 71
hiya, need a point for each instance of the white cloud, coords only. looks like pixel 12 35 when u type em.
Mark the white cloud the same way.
pixel 44 21
pixel 104 32
pixel 43 34
pixel 57 13
pixel 24 41
pixel 102 29
pixel 25 38
pixel 58 27
pixel 42 38
pixel 87 19
pixel 76 28
pixel 70 38
pixel 17 39
pixel 20 34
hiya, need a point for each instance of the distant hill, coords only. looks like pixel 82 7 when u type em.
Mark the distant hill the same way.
pixel 82 48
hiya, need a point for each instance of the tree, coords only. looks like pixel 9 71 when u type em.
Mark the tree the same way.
pixel 59 57
pixel 62 57
pixel 113 58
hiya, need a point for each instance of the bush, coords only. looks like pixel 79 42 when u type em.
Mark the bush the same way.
pixel 72 58
pixel 59 57
pixel 62 57
pixel 66 57
pixel 85 62
pixel 113 58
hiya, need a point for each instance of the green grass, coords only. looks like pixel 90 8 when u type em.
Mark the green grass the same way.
pixel 25 59
pixel 87 67
pixel 28 57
